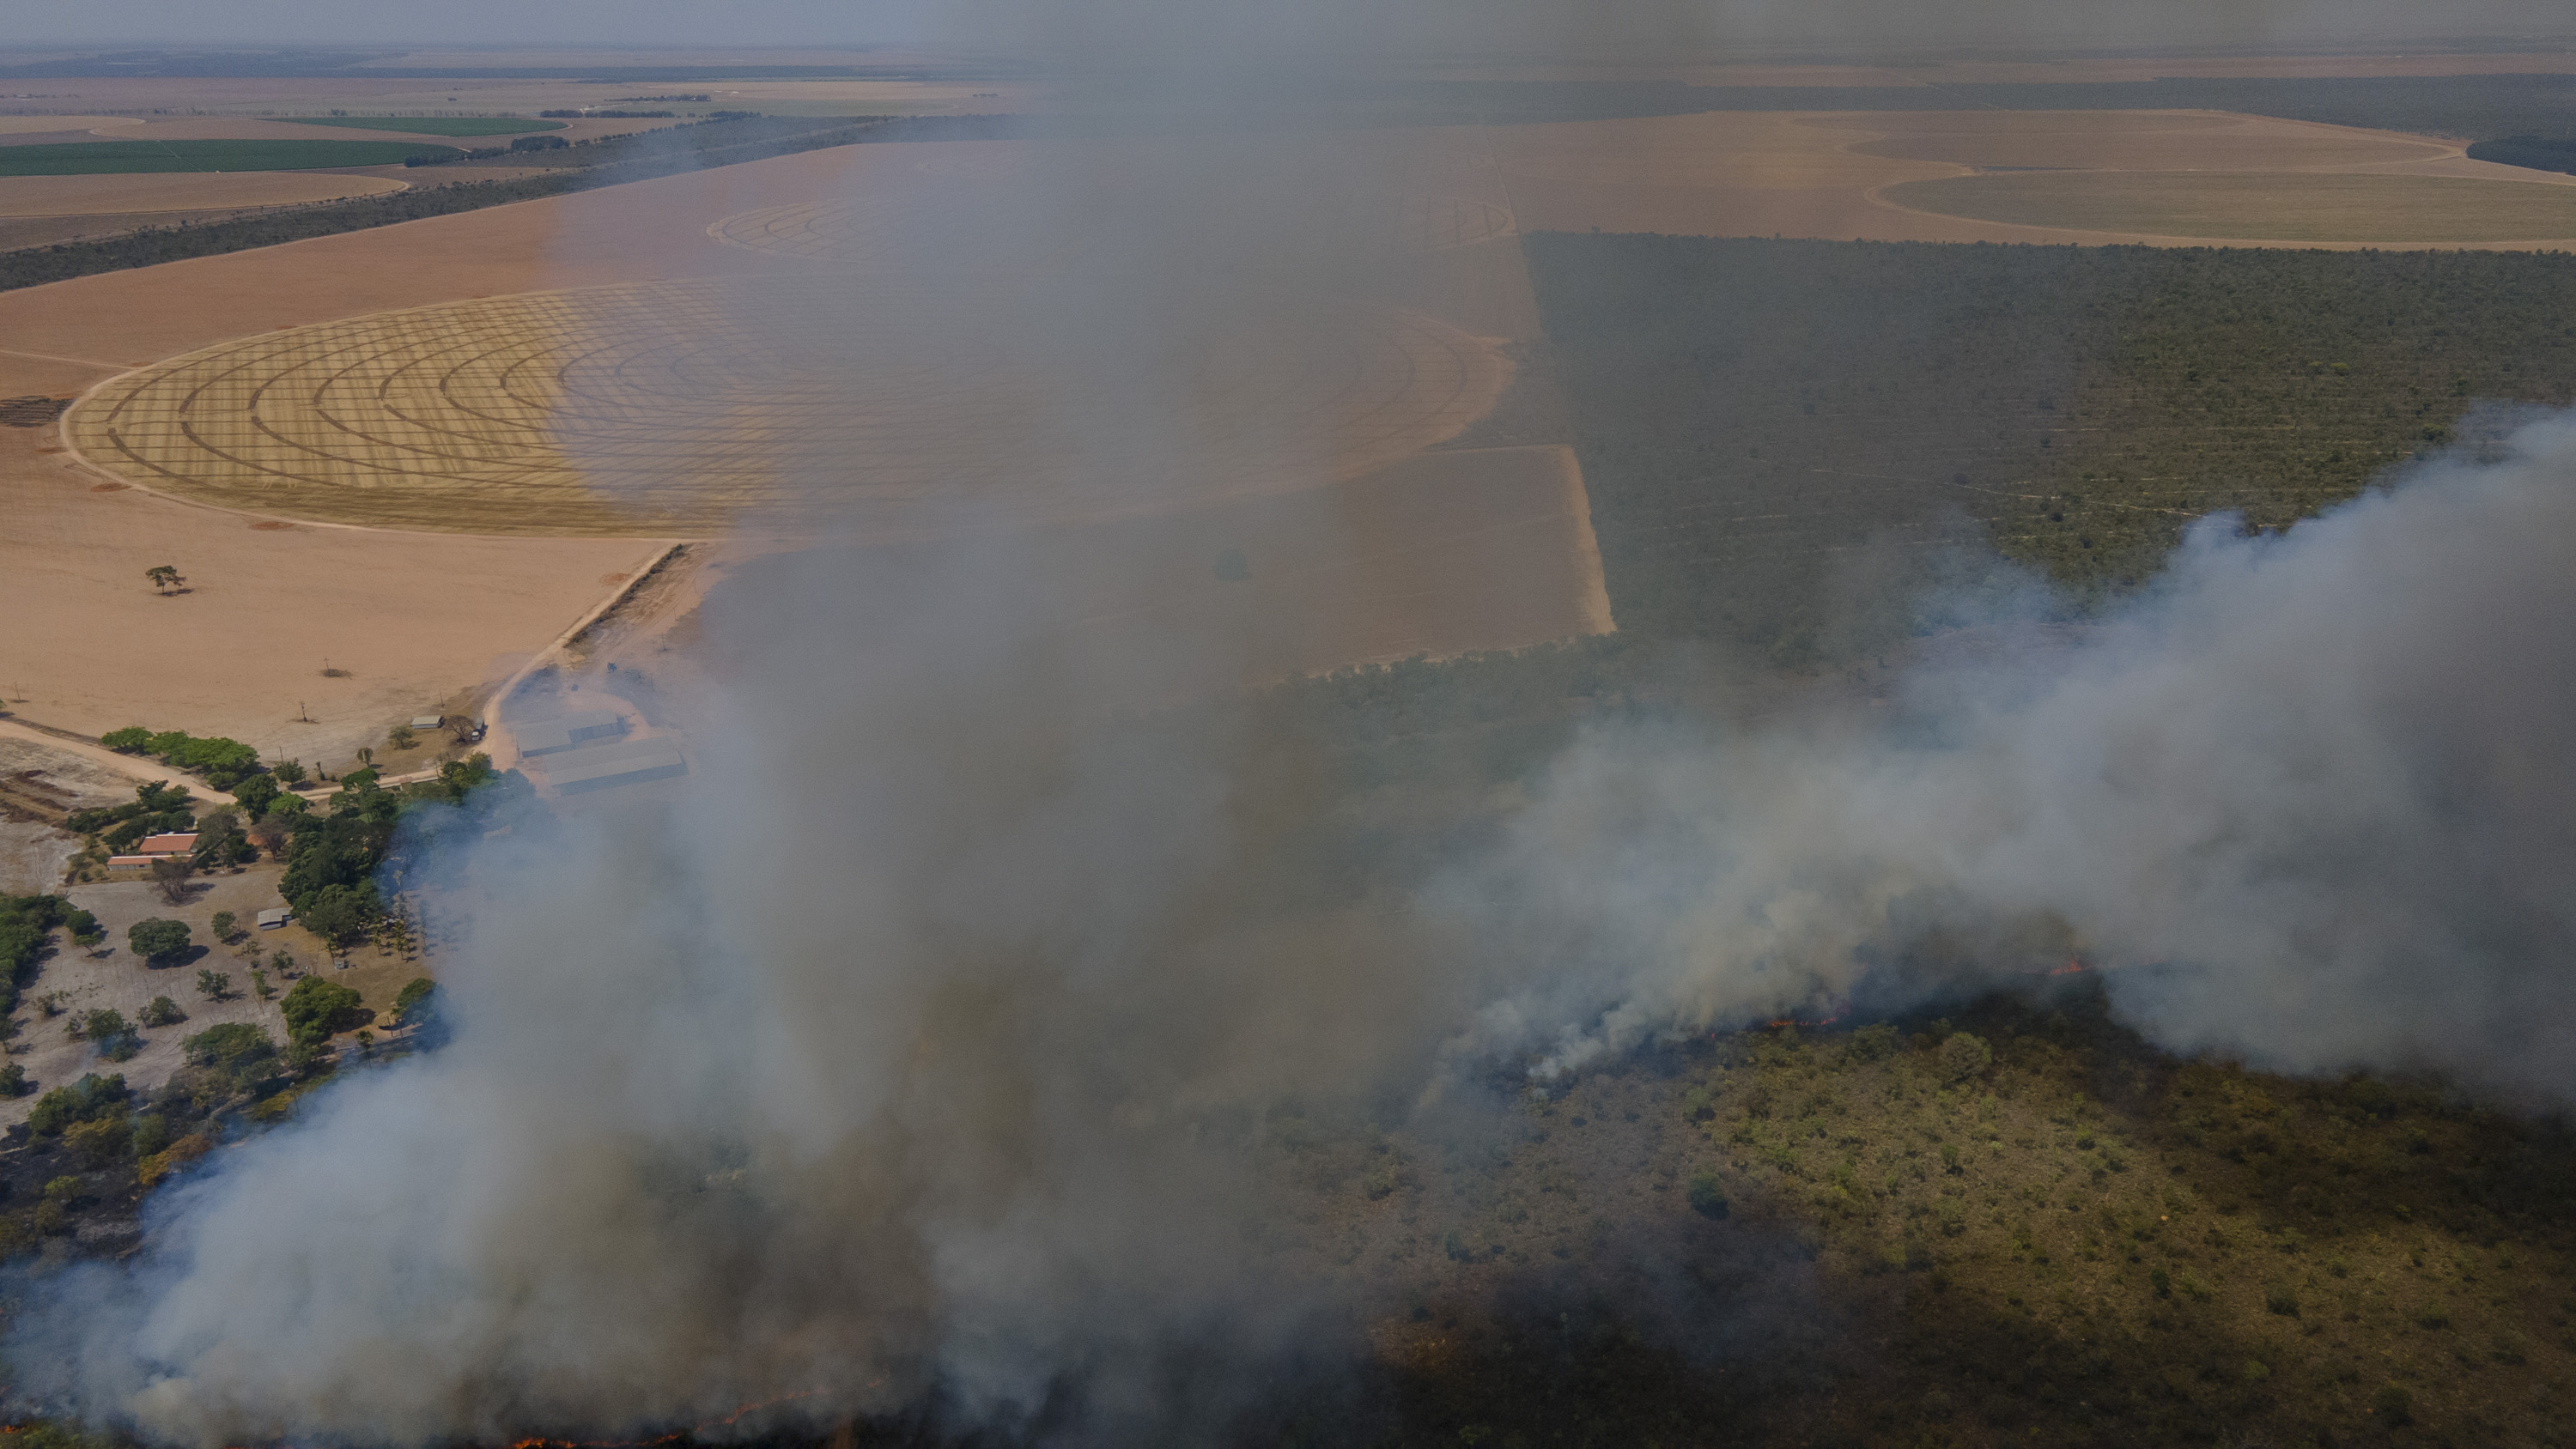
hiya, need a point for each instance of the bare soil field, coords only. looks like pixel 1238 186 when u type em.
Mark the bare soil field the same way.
pixel 1857 176
pixel 2266 206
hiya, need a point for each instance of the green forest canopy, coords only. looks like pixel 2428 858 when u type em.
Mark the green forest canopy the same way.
pixel 101 158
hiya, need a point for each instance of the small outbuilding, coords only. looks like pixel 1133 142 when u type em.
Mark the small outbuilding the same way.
pixel 571 731
pixel 428 721
pixel 177 843
pixel 274 917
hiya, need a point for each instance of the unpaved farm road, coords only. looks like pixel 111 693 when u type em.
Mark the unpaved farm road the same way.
pixel 140 771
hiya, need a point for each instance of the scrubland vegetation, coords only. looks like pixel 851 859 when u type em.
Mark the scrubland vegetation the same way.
pixel 1772 431
pixel 2019 1226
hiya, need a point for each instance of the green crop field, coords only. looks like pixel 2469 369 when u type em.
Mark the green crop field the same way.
pixel 99 158
pixel 433 125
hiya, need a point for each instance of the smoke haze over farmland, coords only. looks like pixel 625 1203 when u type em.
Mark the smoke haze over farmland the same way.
pixel 913 1049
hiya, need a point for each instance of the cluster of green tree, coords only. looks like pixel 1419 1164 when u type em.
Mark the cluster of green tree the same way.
pixel 224 762
pixel 2537 152
pixel 316 1010
pixel 1785 442
pixel 601 166
pixel 99 1145
pixel 112 158
pixel 27 925
pixel 156 808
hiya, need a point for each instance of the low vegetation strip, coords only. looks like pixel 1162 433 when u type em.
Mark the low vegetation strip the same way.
pixel 2074 407
pixel 432 125
pixel 2540 153
pixel 689 149
pixel 2258 206
pixel 101 158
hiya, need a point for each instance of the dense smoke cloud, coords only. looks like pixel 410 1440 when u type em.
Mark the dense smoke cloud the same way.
pixel 915 1050
pixel 912 1049
pixel 2308 802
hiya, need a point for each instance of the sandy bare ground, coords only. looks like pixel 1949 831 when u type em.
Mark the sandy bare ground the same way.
pixel 1839 176
pixel 181 191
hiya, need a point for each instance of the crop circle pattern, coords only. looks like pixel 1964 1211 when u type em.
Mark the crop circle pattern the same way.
pixel 692 408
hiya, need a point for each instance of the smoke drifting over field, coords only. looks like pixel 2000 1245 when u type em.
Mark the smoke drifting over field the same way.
pixel 912 1049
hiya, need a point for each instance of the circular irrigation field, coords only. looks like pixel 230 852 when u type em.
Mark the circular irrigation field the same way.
pixel 690 408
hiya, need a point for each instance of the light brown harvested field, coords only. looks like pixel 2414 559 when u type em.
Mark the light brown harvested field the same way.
pixel 69 127
pixel 2142 65
pixel 2143 141
pixel 1843 176
pixel 642 411
pixel 2257 205
pixel 1440 554
pixel 413 619
pixel 27 196
pixel 1448 552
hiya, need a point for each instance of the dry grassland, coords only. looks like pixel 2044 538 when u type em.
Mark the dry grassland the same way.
pixel 32 196
pixel 1868 175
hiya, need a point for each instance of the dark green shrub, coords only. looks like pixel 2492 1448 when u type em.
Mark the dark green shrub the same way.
pixel 1706 1196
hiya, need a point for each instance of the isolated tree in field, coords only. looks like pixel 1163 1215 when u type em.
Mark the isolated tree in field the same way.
pixel 164 577
pixel 157 939
pixel 287 772
pixel 108 1030
pixel 163 1012
pixel 366 755
pixel 223 924
pixel 170 878
pixel 212 984
pixel 401 737
pixel 85 930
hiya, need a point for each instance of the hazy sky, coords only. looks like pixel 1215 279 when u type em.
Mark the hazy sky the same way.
pixel 1452 23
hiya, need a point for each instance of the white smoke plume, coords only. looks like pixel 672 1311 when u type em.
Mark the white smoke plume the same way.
pixel 912 1052
pixel 2309 802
